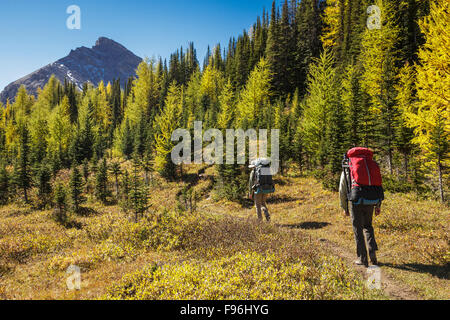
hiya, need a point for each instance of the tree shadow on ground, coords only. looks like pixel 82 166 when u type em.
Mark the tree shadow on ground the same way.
pixel 440 271
pixel 72 224
pixel 281 182
pixel 193 178
pixel 246 203
pixel 309 225
pixel 272 199
pixel 277 198
pixel 190 178
pixel 86 212
pixel 20 212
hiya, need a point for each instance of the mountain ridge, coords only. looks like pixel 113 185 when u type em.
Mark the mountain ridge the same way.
pixel 105 61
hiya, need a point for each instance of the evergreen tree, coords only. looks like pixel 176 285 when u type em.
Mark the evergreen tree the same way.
pixel 75 149
pixel 211 85
pixel 281 49
pixel 241 60
pixel 322 97
pixel 333 29
pixel 230 65
pixel 90 136
pixel 307 32
pixel 296 110
pixel 353 103
pixel 126 93
pixel 344 22
pixel 126 186
pixel 217 61
pixel 71 94
pixel 254 101
pixel 94 164
pixel 60 199
pixel 23 170
pixel 50 96
pixel 127 145
pixel 193 100
pixel 207 58
pixel 406 101
pixel 100 143
pixel 101 182
pixel 116 172
pixel 232 181
pixel 102 112
pixel 42 181
pixel 38 136
pixel 86 173
pixel 227 107
pixel 164 125
pixel 4 184
pixel 281 122
pixel 60 132
pixel 140 138
pixel 22 104
pixel 76 188
pixel 354 22
pixel 55 164
pixel 410 12
pixel 87 135
pixel 147 165
pixel 298 146
pixel 115 102
pixel 2 136
pixel 336 144
pixel 144 102
pixel 138 194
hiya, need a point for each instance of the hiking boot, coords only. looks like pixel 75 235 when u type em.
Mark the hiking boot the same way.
pixel 373 258
pixel 362 262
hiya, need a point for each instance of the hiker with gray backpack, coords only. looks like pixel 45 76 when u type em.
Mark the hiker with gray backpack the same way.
pixel 361 185
pixel 260 185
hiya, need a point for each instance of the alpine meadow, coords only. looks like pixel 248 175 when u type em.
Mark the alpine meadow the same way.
pixel 93 205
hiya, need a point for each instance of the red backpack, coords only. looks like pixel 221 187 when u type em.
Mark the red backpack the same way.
pixel 363 177
pixel 364 171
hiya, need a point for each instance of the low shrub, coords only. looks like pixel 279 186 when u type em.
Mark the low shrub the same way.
pixel 19 249
pixel 243 276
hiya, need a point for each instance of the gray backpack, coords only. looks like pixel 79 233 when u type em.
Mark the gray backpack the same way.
pixel 263 182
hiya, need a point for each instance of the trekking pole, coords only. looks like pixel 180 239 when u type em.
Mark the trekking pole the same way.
pixel 346 168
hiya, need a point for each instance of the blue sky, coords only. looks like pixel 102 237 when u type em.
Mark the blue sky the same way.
pixel 34 33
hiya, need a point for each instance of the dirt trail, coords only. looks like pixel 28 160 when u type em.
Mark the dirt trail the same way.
pixel 392 288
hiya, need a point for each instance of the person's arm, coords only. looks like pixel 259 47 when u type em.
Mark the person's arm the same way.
pixel 250 184
pixel 343 193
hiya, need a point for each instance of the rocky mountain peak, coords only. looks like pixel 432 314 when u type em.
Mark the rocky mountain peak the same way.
pixel 106 43
pixel 105 61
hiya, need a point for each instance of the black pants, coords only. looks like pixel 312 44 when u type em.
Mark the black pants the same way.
pixel 362 226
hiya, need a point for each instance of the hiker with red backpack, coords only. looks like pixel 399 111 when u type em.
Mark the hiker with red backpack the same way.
pixel 260 185
pixel 361 184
